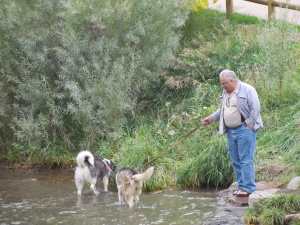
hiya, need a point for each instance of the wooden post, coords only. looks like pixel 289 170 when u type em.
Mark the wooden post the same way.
pixel 229 8
pixel 271 10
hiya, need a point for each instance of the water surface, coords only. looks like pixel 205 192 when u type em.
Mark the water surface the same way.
pixel 50 197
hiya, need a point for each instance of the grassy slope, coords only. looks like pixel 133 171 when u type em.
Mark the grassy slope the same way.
pixel 202 159
pixel 278 154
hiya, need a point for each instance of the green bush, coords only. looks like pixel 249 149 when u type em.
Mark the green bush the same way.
pixel 73 69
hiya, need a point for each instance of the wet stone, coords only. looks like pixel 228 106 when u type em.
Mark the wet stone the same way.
pixel 232 210
pixel 238 201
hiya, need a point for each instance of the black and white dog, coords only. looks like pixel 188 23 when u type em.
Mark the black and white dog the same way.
pixel 92 170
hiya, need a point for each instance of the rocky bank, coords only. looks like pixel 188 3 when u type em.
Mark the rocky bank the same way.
pixel 232 209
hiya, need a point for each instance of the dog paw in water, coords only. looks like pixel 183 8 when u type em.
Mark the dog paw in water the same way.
pixel 97 193
pixel 129 183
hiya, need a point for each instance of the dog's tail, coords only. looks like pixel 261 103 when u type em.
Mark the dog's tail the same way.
pixel 143 176
pixel 84 156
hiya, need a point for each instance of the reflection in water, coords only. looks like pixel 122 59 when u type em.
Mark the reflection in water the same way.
pixel 28 198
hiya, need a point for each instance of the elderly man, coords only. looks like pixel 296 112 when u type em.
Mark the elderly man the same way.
pixel 239 116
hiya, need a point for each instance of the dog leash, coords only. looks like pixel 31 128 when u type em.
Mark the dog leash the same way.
pixel 107 166
pixel 172 146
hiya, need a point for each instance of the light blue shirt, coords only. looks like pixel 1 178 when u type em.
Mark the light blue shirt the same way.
pixel 248 104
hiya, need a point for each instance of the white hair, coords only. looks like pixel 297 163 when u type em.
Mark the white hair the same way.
pixel 229 74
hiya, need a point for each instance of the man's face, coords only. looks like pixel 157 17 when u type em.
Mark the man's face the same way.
pixel 228 84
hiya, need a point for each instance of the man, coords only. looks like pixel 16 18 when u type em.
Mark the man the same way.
pixel 239 116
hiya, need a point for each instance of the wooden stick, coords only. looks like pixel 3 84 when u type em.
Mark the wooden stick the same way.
pixel 176 143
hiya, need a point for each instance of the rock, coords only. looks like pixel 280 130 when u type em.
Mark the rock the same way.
pixel 294 184
pixel 257 195
pixel 233 186
pixel 290 218
pixel 228 215
pixel 233 210
pixel 238 201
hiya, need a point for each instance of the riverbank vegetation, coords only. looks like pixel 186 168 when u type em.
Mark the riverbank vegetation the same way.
pixel 270 211
pixel 128 79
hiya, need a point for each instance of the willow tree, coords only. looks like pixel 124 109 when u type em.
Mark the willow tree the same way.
pixel 71 69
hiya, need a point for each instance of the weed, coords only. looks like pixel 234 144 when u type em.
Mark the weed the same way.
pixel 272 211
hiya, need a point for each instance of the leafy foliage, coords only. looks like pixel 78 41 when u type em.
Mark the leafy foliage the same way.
pixel 119 77
pixel 197 5
pixel 72 69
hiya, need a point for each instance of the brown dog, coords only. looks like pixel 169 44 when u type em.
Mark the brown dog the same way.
pixel 130 184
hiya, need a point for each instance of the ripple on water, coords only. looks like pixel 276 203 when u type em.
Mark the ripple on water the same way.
pixel 17 222
pixel 67 212
pixel 27 199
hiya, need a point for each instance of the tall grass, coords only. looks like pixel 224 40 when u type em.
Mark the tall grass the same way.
pixel 210 167
pixel 138 148
pixel 193 162
pixel 202 159
pixel 272 211
pixel 249 48
pixel 277 62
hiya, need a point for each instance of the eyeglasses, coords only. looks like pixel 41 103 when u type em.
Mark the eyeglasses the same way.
pixel 228 102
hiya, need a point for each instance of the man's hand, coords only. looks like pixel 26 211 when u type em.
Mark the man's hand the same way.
pixel 208 120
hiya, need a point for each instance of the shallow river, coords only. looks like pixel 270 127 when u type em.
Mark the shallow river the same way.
pixel 50 197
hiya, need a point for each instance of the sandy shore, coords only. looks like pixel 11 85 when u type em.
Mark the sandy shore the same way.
pixel 261 11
